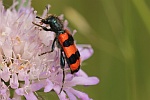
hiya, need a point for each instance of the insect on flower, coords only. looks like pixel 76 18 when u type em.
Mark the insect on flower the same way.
pixel 65 41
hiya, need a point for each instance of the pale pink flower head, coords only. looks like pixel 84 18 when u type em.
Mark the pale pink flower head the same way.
pixel 23 71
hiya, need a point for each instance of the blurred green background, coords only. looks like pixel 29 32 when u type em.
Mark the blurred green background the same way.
pixel 119 32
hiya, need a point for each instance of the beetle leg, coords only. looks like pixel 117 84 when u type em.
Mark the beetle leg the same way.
pixel 52 48
pixel 62 63
pixel 53 45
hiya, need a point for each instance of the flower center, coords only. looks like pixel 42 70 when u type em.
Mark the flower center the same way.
pixel 15 64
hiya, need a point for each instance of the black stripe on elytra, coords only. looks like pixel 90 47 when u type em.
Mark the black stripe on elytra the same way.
pixel 77 54
pixel 74 57
pixel 69 41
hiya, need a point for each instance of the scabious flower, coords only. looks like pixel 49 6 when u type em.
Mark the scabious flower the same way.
pixel 23 71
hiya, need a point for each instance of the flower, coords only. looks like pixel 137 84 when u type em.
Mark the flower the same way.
pixel 23 71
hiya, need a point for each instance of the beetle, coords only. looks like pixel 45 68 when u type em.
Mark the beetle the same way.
pixel 65 41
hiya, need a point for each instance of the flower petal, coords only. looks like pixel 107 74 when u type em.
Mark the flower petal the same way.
pixel 80 95
pixel 81 73
pixel 49 86
pixel 85 51
pixel 62 95
pixel 5 74
pixel 37 85
pixel 22 74
pixel 31 96
pixel 83 81
pixel 20 91
pixel 16 97
pixel 14 81
pixel 70 95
